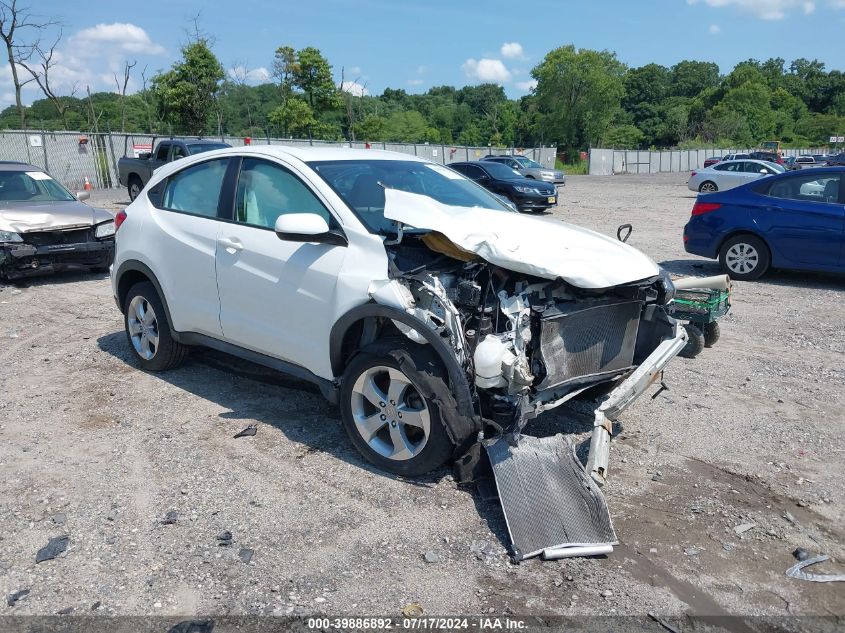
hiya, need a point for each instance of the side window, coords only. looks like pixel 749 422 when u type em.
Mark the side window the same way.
pixel 471 171
pixel 728 167
pixel 196 189
pixel 807 188
pixel 754 168
pixel 513 164
pixel 161 152
pixel 267 190
pixel 178 152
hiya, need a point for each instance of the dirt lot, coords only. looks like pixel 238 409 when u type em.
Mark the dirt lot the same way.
pixel 93 448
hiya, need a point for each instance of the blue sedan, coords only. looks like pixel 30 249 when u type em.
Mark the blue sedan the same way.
pixel 792 220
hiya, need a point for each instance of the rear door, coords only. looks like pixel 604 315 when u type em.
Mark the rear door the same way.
pixel 804 218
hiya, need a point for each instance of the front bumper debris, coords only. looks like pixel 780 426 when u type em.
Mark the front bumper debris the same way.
pixel 553 506
pixel 18 260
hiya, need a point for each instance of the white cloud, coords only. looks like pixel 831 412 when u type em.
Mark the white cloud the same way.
pixel 421 70
pixel 250 76
pixel 354 70
pixel 486 70
pixel 512 50
pixel 763 9
pixel 527 85
pixel 714 29
pixel 837 4
pixel 354 88
pixel 119 36
pixel 415 82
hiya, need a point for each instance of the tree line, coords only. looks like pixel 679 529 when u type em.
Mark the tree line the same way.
pixel 582 98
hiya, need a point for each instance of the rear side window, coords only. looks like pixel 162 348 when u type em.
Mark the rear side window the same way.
pixel 806 188
pixel 196 190
pixel 728 167
pixel 470 171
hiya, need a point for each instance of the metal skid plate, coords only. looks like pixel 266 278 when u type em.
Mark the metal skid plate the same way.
pixel 550 502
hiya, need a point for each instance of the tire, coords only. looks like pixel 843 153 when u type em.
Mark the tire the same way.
pixel 134 186
pixel 695 341
pixel 744 257
pixel 374 421
pixel 711 334
pixel 708 186
pixel 148 331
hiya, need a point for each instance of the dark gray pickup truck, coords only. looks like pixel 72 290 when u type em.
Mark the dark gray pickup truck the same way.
pixel 135 172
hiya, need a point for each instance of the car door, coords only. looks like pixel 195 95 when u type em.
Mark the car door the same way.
pixel 728 175
pixel 183 241
pixel 804 219
pixel 276 296
pixel 162 155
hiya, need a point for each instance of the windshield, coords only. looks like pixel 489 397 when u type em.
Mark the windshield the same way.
pixel 31 186
pixel 361 183
pixel 527 162
pixel 501 172
pixel 199 148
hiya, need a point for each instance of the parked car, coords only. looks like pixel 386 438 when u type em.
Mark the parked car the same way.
pixel 404 290
pixel 802 162
pixel 789 163
pixel 790 220
pixel 526 194
pixel 837 160
pixel 529 168
pixel 735 156
pixel 821 159
pixel 770 157
pixel 730 173
pixel 134 173
pixel 44 228
pixel 708 162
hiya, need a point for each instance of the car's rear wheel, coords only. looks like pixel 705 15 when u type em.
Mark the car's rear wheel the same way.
pixel 744 257
pixel 387 401
pixel 148 330
pixel 135 186
pixel 708 187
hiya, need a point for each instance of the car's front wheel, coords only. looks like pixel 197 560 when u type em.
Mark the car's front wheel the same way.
pixel 744 257
pixel 387 402
pixel 148 329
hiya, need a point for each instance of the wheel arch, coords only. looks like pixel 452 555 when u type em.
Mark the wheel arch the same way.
pixel 347 333
pixel 744 231
pixel 132 272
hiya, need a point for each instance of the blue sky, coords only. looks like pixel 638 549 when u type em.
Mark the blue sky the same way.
pixel 416 45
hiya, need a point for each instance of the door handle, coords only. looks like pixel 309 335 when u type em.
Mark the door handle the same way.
pixel 232 245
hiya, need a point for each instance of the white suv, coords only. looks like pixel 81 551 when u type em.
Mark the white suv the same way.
pixel 419 303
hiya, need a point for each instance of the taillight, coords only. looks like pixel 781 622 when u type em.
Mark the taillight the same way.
pixel 119 218
pixel 704 207
pixel 692 174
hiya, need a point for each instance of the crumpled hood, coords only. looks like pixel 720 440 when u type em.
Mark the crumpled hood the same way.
pixel 24 217
pixel 538 246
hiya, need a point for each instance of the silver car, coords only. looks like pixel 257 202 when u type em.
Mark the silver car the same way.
pixel 730 173
pixel 44 228
pixel 530 168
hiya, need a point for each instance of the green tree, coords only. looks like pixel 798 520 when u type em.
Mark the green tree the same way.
pixel 186 94
pixel 578 92
pixel 313 75
pixel 689 78
pixel 293 118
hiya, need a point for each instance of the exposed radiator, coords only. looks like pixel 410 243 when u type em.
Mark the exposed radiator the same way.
pixel 587 339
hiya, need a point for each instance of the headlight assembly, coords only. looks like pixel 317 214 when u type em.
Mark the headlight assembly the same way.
pixel 668 286
pixel 106 229
pixel 522 189
pixel 8 236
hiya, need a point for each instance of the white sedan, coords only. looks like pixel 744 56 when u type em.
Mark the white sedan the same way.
pixel 731 173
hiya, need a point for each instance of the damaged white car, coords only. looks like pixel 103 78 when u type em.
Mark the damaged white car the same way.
pixel 438 319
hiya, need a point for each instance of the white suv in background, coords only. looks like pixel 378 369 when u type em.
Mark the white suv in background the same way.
pixel 416 300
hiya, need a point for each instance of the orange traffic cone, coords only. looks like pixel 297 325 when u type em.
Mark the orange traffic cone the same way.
pixel 87 184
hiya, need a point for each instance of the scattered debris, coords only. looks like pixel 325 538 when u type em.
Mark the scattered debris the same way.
pixel 412 610
pixel 96 605
pixel 245 554
pixel 692 551
pixel 170 518
pixel 728 547
pixel 13 598
pixel 65 611
pixel 607 593
pixel 432 557
pixel 744 527
pixel 53 548
pixel 663 623
pixel 224 538
pixel 796 571
pixel 249 431
pixel 60 518
pixel 801 554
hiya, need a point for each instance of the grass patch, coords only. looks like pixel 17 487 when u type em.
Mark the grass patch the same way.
pixel 576 169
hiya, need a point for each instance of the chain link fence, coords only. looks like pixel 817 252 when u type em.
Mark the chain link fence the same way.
pixel 74 158
pixel 606 162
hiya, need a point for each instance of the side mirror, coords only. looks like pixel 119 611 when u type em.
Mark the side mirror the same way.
pixel 82 196
pixel 764 171
pixel 307 227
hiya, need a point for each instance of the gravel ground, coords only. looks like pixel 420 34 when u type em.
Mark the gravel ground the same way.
pixel 142 473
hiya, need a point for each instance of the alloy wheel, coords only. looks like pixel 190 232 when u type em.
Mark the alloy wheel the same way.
pixel 143 327
pixel 390 414
pixel 708 187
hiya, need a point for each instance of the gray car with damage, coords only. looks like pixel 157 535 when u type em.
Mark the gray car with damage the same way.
pixel 44 228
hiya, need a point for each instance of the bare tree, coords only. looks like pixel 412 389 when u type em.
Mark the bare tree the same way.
pixel 239 75
pixel 349 99
pixel 93 115
pixel 40 71
pixel 145 97
pixel 121 89
pixel 15 19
